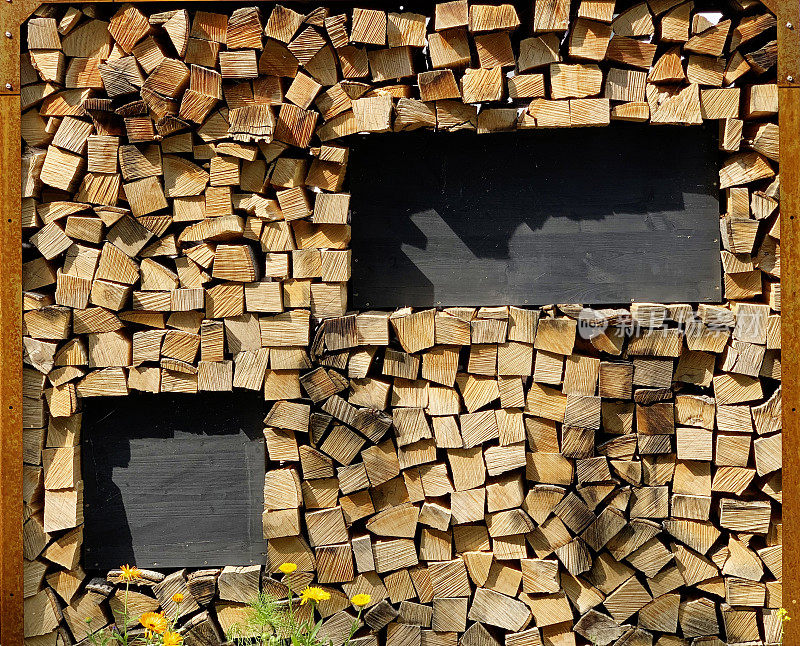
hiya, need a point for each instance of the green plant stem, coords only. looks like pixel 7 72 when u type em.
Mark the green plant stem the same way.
pixel 125 616
pixel 354 627
pixel 291 605
pixel 177 614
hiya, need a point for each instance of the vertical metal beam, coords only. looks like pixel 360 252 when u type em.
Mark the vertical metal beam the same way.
pixel 789 120
pixel 12 14
pixel 11 619
pixel 788 41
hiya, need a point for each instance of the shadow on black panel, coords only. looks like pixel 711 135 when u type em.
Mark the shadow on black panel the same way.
pixel 589 214
pixel 173 480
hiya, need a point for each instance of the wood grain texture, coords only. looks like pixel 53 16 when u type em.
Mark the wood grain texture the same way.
pixel 541 234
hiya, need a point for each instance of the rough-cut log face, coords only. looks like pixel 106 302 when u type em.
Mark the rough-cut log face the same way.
pixel 553 476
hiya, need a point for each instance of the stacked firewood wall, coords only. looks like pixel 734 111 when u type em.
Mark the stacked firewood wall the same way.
pixel 493 475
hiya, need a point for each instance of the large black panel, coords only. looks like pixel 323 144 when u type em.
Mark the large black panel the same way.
pixel 173 480
pixel 587 215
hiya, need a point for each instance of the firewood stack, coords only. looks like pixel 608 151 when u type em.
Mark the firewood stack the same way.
pixel 488 475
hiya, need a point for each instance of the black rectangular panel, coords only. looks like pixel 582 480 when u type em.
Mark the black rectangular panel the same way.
pixel 585 215
pixel 173 480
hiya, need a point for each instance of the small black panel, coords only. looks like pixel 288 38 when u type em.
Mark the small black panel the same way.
pixel 173 480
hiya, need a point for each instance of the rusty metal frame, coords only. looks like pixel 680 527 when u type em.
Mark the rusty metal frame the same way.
pixel 14 12
pixel 788 13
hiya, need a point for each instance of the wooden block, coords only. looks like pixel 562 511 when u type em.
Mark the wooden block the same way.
pixel 668 106
pixel 634 22
pixel 406 29
pixel 238 583
pixel 451 14
pixel 760 101
pixel 210 26
pixel 244 29
pixel 394 554
pixel 768 453
pixel 306 45
pixel 705 70
pixel 526 86
pixel 128 26
pixel 627 599
pixel 499 610
pixel 61 468
pixel 615 380
pixel 303 90
pixel 334 563
pixel 72 135
pixel 295 126
pixel 540 576
pixel 575 81
pixel 668 68
pixel 631 51
pixel 391 63
pixel 551 15
pixel 492 17
pixel 675 23
pixel 625 85
pixel 283 23
pixel 449 48
pixel 546 402
pixel 589 39
pixel 633 111
pixel 398 634
pixel 373 114
pixel 710 41
pixel 63 508
pixel 602 10
pixel 589 112
pixel 550 610
pixel 556 335
pixel 331 208
pixel 61 169
pixel 438 84
pixel 449 579
pixel 235 263
pixel 369 27
pixel 40 615
pixel 449 615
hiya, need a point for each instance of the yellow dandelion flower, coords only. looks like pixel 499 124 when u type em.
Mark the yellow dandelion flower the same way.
pixel 287 568
pixel 783 615
pixel 360 600
pixel 313 593
pixel 177 597
pixel 172 639
pixel 154 622
pixel 130 572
